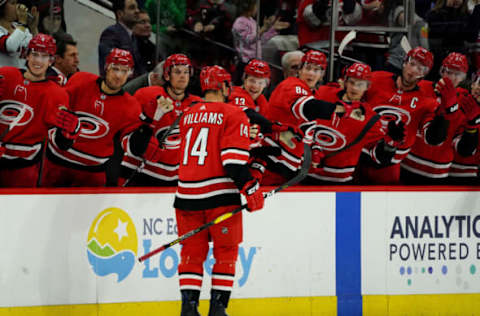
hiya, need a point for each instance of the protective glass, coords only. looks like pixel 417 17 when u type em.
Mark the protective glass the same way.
pixel 460 76
pixel 40 56
pixel 359 84
pixel 418 66
pixel 120 70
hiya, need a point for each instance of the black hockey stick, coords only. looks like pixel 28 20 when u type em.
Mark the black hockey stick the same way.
pixel 160 142
pixel 307 160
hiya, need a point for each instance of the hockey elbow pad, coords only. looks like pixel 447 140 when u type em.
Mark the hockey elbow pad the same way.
pixel 436 132
pixel 315 109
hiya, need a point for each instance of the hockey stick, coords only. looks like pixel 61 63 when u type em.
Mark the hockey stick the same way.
pixel 346 40
pixel 307 160
pixel 156 117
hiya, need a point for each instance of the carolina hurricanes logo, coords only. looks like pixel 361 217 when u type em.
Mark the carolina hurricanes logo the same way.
pixel 391 113
pixel 10 110
pixel 329 138
pixel 92 126
pixel 172 141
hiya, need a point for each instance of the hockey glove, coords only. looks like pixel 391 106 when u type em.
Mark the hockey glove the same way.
pixel 65 120
pixel 153 152
pixel 349 107
pixel 257 169
pixel 253 195
pixel 448 96
pixel 472 111
pixel 395 132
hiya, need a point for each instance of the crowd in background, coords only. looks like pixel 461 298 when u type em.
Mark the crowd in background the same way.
pixel 227 33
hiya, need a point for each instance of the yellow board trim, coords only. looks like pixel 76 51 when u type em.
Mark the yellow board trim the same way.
pixel 422 305
pixel 281 306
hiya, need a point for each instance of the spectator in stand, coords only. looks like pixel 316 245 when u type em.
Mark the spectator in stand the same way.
pixel 291 63
pixel 172 19
pixel 51 24
pixel 246 42
pixel 210 19
pixel 313 20
pixel 338 143
pixel 449 27
pixel 475 46
pixel 105 111
pixel 16 31
pixel 396 53
pixel 120 35
pixel 142 31
pixel 399 99
pixel 427 164
pixel 465 168
pixel 35 105
pixel 152 78
pixel 66 58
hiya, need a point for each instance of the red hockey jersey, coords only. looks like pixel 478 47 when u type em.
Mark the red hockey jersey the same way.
pixel 413 108
pixel 27 106
pixel 435 161
pixel 166 169
pixel 213 135
pixel 286 106
pixel 333 137
pixel 242 98
pixel 101 116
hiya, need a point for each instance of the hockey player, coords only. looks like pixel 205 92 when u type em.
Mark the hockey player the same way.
pixel 465 168
pixel 29 106
pixel 177 71
pixel 292 103
pixel 256 77
pixel 427 164
pixel 339 134
pixel 398 98
pixel 105 111
pixel 213 173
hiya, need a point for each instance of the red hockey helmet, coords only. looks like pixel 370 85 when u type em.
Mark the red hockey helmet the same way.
pixel 174 60
pixel 119 56
pixel 359 71
pixel 257 68
pixel 456 61
pixel 212 77
pixel 422 55
pixel 43 43
pixel 315 57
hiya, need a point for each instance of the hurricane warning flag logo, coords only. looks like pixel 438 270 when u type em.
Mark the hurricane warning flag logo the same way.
pixel 112 243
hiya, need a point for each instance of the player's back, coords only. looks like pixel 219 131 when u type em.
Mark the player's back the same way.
pixel 213 134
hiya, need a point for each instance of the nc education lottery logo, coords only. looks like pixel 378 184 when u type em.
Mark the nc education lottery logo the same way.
pixel 112 243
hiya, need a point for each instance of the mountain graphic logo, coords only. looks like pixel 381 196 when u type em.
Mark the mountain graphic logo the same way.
pixel 112 243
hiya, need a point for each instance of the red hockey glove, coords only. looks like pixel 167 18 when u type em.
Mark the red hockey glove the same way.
pixel 257 168
pixel 472 111
pixel 253 195
pixel 65 120
pixel 153 152
pixel 2 86
pixel 448 96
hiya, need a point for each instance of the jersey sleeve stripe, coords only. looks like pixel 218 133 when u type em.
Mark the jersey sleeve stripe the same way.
pixel 297 107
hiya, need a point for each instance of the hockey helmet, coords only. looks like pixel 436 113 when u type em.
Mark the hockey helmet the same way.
pixel 212 77
pixel 456 61
pixel 257 68
pixel 422 55
pixel 315 57
pixel 359 71
pixel 174 60
pixel 43 43
pixel 119 56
